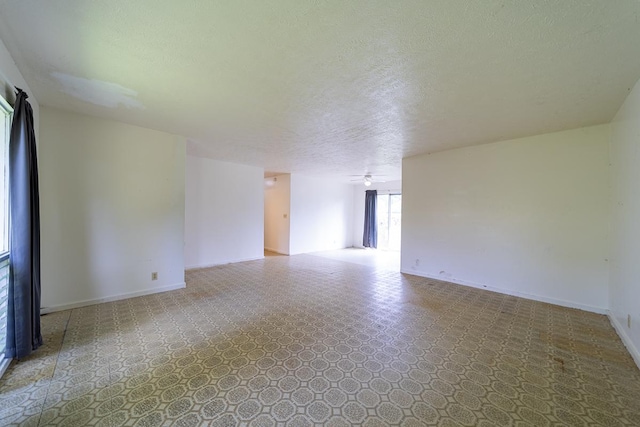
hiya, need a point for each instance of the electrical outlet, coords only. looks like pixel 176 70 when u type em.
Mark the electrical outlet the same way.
pixel 629 321
pixel 154 276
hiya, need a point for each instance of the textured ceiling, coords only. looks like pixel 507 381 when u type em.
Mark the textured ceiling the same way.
pixel 330 87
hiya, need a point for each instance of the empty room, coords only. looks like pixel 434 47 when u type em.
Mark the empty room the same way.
pixel 307 213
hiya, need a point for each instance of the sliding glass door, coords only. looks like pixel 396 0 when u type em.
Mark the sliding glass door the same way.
pixel 389 216
pixel 5 127
pixel 4 282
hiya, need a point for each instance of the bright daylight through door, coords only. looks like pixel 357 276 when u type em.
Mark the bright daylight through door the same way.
pixel 5 126
pixel 389 210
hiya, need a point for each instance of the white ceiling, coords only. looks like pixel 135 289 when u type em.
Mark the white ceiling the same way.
pixel 330 87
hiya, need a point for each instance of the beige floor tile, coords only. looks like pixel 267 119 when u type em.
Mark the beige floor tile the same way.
pixel 308 340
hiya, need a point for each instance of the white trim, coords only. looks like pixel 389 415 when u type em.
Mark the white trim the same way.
pixel 4 364
pixel 622 333
pixel 232 261
pixel 274 250
pixel 389 192
pixel 61 307
pixel 555 301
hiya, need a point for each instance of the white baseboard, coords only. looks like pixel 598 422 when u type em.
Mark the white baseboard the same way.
pixel 622 333
pixel 555 301
pixel 61 307
pixel 231 261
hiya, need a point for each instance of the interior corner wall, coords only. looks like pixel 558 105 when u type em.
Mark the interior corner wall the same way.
pixel 391 187
pixel 526 217
pixel 277 205
pixel 321 215
pixel 223 213
pixel 112 210
pixel 10 76
pixel 624 276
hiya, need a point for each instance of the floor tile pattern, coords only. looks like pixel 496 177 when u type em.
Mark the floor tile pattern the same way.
pixel 304 340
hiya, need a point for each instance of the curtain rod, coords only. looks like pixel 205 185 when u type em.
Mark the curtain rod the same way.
pixel 390 191
pixel 3 95
pixel 9 83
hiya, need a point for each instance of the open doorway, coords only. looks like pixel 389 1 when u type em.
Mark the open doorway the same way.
pixel 388 212
pixel 389 218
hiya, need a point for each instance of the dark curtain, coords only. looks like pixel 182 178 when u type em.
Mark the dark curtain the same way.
pixel 370 237
pixel 23 304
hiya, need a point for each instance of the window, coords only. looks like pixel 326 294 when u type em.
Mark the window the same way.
pixel 5 128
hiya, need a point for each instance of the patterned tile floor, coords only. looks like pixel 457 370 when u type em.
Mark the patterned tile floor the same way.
pixel 307 340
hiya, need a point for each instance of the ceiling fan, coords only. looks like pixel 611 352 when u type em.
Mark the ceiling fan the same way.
pixel 366 179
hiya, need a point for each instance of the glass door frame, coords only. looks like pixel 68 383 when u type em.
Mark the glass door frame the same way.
pixel 6 115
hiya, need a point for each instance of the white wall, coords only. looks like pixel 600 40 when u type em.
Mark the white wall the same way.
pixel 321 215
pixel 223 212
pixel 391 187
pixel 112 209
pixel 625 223
pixel 277 204
pixel 526 217
pixel 10 76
